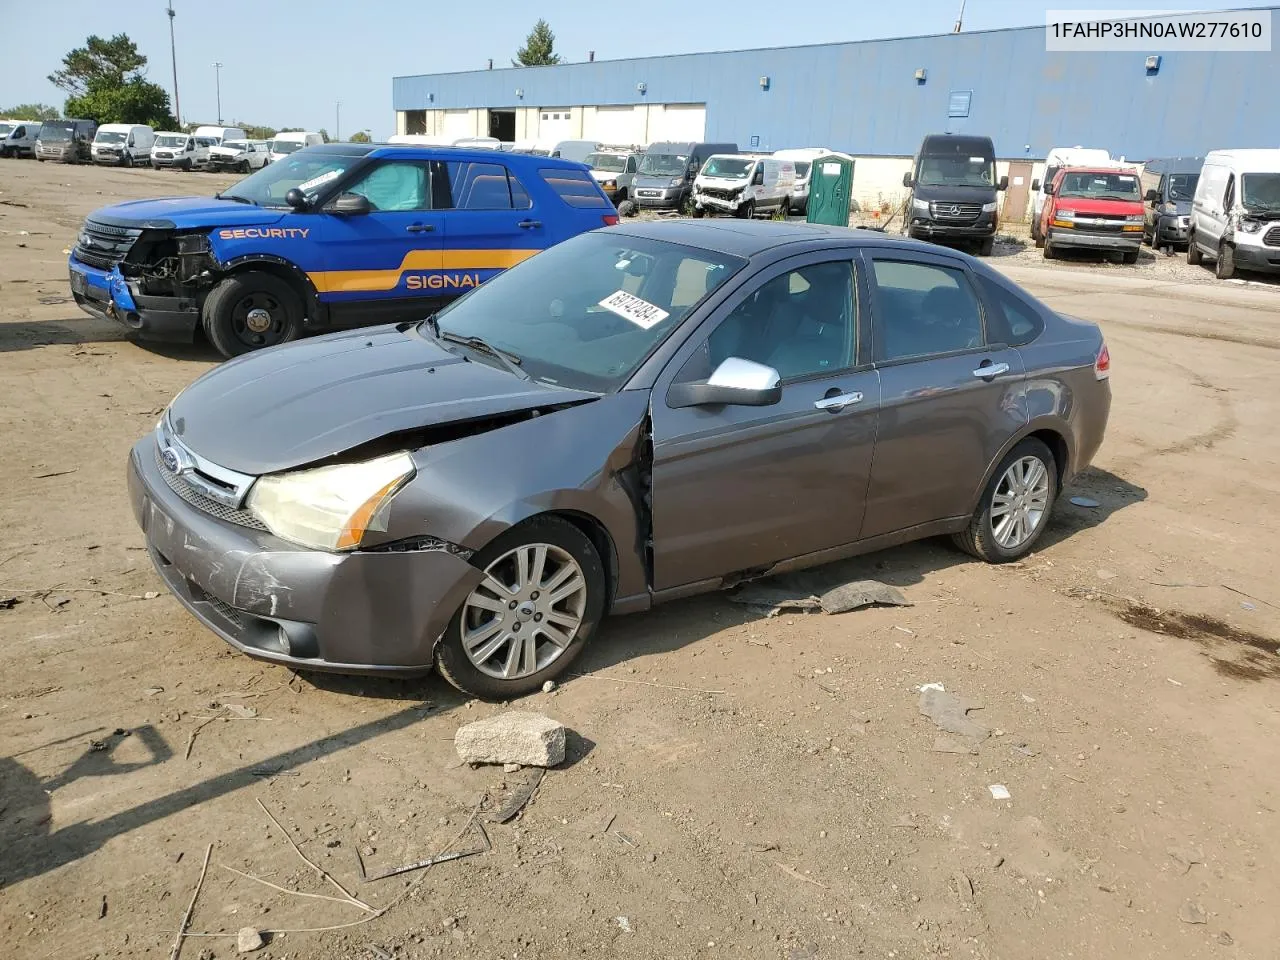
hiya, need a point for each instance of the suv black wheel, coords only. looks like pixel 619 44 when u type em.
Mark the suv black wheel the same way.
pixel 540 602
pixel 1193 252
pixel 249 311
pixel 1015 506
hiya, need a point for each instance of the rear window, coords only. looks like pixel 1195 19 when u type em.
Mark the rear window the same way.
pixel 485 186
pixel 575 187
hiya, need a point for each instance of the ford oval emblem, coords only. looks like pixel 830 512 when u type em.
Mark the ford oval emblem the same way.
pixel 171 461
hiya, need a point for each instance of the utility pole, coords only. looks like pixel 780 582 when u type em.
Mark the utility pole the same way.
pixel 217 81
pixel 337 121
pixel 173 51
pixel 959 19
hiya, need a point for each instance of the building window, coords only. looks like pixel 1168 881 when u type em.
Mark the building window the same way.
pixel 546 116
pixel 415 121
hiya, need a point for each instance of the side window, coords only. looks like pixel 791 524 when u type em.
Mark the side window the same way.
pixel 922 309
pixel 395 186
pixel 1015 322
pixel 802 323
pixel 20 133
pixel 631 164
pixel 478 186
pixel 1229 195
pixel 575 187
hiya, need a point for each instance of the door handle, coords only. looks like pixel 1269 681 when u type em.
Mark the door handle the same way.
pixel 420 228
pixel 529 224
pixel 838 402
pixel 991 371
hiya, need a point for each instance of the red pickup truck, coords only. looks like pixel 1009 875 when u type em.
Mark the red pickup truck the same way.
pixel 1093 208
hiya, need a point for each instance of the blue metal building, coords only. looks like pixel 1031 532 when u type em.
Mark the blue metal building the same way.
pixel 876 97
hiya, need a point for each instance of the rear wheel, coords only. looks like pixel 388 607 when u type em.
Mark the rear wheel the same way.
pixel 1130 256
pixel 249 311
pixel 1015 507
pixel 1194 257
pixel 1225 267
pixel 541 599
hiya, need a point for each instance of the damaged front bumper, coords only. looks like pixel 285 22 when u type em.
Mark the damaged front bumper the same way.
pixel 107 294
pixel 364 612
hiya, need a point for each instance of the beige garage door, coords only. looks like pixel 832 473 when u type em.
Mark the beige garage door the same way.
pixel 615 125
pixel 554 124
pixel 678 121
pixel 458 123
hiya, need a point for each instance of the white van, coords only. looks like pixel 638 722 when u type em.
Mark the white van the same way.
pixel 432 140
pixel 180 151
pixel 1235 216
pixel 291 141
pixel 221 133
pixel 122 144
pixel 803 158
pixel 1058 158
pixel 18 138
pixel 576 150
pixel 743 185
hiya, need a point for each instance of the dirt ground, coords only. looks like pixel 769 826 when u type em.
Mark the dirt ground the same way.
pixel 737 786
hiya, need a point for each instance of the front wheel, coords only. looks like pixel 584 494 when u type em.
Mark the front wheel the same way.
pixel 541 599
pixel 1130 256
pixel 249 311
pixel 1049 252
pixel 244 166
pixel 986 246
pixel 1015 507
pixel 1225 266
pixel 1193 251
pixel 748 210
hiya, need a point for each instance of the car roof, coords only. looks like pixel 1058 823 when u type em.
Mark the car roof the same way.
pixel 750 238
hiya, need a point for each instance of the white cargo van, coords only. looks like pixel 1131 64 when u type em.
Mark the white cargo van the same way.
pixel 803 158
pixel 743 185
pixel 1058 158
pixel 290 141
pixel 180 151
pixel 221 133
pixel 18 138
pixel 122 144
pixel 1235 216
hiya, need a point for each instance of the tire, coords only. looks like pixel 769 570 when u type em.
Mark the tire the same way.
pixel 1038 238
pixel 748 210
pixel 1049 252
pixel 699 212
pixel 565 545
pixel 1194 256
pixel 981 538
pixel 1224 268
pixel 226 315
pixel 627 208
pixel 1130 257
pixel 244 167
pixel 986 246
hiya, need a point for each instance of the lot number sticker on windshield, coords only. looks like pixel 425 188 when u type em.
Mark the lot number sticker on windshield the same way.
pixel 640 312
pixel 317 181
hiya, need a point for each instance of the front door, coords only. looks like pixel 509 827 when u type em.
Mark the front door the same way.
pixel 385 264
pixel 1018 195
pixel 950 399
pixel 737 488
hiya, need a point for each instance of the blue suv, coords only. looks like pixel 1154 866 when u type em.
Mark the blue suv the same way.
pixel 336 236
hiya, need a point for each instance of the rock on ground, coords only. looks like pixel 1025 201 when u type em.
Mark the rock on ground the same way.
pixel 528 739
pixel 249 939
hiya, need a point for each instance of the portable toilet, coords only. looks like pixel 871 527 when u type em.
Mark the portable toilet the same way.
pixel 830 189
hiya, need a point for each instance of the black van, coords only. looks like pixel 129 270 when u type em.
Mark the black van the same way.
pixel 1169 186
pixel 953 191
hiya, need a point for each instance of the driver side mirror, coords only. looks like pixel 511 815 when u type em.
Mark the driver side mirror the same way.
pixel 736 382
pixel 1152 195
pixel 296 199
pixel 906 179
pixel 1035 185
pixel 350 204
pixel 1048 189
pixel 1004 184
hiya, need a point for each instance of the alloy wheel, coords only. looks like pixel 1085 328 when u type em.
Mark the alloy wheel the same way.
pixel 1020 502
pixel 525 613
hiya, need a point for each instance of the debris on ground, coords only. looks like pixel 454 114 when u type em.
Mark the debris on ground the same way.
pixel 623 924
pixel 519 796
pixel 482 846
pixel 8 603
pixel 548 686
pixel 1192 912
pixel 775 597
pixel 999 792
pixel 951 713
pixel 1186 857
pixel 528 739
pixel 950 745
pixel 249 939
pixel 1088 502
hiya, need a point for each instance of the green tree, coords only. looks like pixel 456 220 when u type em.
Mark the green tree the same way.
pixel 32 111
pixel 100 64
pixel 360 137
pixel 137 101
pixel 537 50
pixel 255 132
pixel 324 134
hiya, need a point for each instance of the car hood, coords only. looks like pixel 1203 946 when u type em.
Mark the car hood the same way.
pixel 955 194
pixel 1095 206
pixel 289 406
pixel 184 213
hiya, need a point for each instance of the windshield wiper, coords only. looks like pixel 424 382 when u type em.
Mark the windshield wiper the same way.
pixel 236 197
pixel 508 360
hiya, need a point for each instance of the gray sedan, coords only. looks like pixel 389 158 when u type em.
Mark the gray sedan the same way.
pixel 639 414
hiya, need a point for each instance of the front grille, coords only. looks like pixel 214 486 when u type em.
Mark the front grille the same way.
pixel 204 504
pixel 1272 237
pixel 720 194
pixel 956 212
pixel 227 611
pixel 102 245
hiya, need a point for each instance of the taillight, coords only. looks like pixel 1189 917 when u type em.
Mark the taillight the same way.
pixel 1102 365
pixel 610 219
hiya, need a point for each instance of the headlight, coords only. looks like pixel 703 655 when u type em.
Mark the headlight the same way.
pixel 919 206
pixel 1250 226
pixel 676 181
pixel 989 207
pixel 609 185
pixel 330 508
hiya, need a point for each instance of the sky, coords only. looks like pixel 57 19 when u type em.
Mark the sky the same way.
pixel 289 62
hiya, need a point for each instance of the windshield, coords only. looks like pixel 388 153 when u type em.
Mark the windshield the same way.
pixel 802 169
pixel 171 140
pixel 307 171
pixel 663 164
pixel 587 312
pixel 1260 191
pixel 1100 186
pixel 285 146
pixel 1182 186
pixel 51 132
pixel 732 168
pixel 953 171
pixel 607 162
pixel 110 136
pixel 237 145
pixel 6 129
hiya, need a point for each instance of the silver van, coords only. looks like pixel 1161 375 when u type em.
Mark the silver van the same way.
pixel 69 141
pixel 664 179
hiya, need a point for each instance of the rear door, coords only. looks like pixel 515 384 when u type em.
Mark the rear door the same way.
pixel 490 224
pixel 950 398
pixel 386 264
